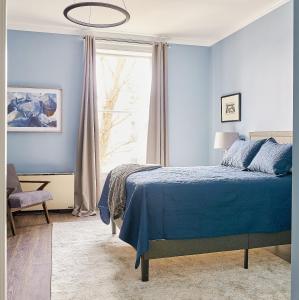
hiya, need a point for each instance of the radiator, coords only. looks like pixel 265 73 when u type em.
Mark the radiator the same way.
pixel 61 186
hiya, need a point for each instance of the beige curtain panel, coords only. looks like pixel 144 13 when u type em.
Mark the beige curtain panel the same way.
pixel 87 185
pixel 157 141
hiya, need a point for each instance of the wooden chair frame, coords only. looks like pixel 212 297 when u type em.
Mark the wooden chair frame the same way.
pixel 11 210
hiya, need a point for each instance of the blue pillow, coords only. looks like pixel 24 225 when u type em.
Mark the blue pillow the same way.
pixel 273 158
pixel 241 153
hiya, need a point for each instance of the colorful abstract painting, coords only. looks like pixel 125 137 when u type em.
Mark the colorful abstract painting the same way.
pixel 32 109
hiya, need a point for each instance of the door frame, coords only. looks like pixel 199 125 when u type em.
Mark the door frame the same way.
pixel 3 85
pixel 295 195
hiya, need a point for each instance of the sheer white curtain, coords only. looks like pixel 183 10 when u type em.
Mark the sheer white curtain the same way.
pixel 157 141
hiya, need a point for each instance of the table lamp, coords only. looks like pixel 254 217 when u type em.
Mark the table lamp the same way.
pixel 223 140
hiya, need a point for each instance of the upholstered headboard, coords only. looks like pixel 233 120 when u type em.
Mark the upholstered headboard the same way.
pixel 282 137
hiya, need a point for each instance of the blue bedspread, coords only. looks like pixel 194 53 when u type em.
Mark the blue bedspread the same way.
pixel 197 202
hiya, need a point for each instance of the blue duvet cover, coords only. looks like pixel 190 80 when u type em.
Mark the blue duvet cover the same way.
pixel 198 202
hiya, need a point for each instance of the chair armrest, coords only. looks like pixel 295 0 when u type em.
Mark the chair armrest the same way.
pixel 35 181
pixel 41 187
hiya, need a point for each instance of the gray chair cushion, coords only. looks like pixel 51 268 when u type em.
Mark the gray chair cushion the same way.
pixel 12 179
pixel 23 199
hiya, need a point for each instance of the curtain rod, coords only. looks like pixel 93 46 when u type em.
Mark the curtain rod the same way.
pixel 123 41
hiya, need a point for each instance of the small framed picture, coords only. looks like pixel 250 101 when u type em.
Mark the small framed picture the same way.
pixel 33 109
pixel 231 108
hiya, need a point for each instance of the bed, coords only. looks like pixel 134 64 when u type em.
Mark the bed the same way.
pixel 185 211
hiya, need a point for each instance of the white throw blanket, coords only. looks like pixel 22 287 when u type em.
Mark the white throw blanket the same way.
pixel 117 186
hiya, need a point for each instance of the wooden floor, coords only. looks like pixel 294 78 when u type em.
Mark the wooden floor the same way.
pixel 29 256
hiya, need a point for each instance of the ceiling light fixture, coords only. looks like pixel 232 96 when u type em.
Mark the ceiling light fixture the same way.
pixel 71 7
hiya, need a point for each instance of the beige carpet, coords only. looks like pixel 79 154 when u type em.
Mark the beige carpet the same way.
pixel 89 263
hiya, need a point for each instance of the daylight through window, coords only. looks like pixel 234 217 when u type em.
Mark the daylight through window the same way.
pixel 124 81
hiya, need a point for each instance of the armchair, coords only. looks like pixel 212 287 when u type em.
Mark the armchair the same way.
pixel 17 199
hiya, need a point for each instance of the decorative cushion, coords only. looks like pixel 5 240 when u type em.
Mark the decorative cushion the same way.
pixel 23 199
pixel 273 158
pixel 12 179
pixel 241 153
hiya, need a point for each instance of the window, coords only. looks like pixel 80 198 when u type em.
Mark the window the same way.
pixel 124 82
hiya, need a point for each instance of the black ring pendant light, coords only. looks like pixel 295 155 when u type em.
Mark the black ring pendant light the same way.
pixel 96 4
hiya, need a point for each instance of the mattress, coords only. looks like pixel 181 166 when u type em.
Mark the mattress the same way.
pixel 201 202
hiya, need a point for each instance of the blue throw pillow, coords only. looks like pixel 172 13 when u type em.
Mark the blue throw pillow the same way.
pixel 273 158
pixel 241 153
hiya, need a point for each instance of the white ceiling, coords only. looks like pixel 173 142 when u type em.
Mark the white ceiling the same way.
pixel 200 22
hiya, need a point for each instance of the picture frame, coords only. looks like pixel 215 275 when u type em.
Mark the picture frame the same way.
pixel 231 108
pixel 34 109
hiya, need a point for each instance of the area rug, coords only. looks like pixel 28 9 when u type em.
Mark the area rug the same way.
pixel 89 263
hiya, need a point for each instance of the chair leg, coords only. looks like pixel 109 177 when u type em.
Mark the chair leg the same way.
pixel 46 212
pixel 11 221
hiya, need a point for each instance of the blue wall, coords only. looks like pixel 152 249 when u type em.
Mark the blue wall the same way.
pixel 55 61
pixel 189 88
pixel 256 61
pixel 46 61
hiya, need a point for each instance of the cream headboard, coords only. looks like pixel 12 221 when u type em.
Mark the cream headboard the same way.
pixel 282 137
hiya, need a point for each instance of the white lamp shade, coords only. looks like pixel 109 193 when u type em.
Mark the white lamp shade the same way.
pixel 223 140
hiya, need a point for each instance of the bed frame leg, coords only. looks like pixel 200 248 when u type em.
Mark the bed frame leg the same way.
pixel 113 225
pixel 144 268
pixel 246 258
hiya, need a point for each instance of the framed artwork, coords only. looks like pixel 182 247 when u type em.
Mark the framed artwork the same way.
pixel 33 109
pixel 231 108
